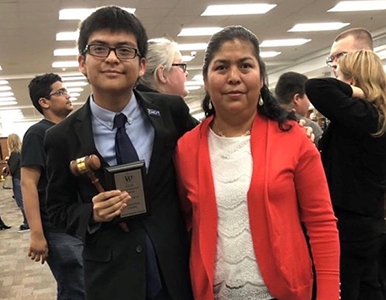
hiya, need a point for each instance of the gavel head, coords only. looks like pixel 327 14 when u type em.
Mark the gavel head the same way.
pixel 84 165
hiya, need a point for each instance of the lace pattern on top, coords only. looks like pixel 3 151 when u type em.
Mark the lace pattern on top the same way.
pixel 237 274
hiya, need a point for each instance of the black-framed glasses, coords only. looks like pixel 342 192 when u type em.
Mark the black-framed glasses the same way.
pixel 103 51
pixel 184 67
pixel 61 92
pixel 332 58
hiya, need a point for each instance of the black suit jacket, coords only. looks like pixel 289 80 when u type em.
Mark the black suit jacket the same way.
pixel 114 261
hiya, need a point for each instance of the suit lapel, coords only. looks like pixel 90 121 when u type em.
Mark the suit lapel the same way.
pixel 153 113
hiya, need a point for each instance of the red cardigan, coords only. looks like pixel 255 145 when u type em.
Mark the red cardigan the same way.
pixel 288 187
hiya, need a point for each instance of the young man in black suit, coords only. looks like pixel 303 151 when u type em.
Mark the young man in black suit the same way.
pixel 112 46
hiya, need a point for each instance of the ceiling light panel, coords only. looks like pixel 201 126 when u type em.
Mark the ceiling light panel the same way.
pixel 237 9
pixel 67 36
pixel 5 94
pixel 193 82
pixel 193 87
pixel 303 27
pixel 65 64
pixel 265 54
pixel 72 78
pixel 201 31
pixel 75 89
pixel 4 103
pixel 5 88
pixel 284 42
pixel 193 46
pixel 66 52
pixel 82 13
pixel 76 83
pixel 186 58
pixel 358 6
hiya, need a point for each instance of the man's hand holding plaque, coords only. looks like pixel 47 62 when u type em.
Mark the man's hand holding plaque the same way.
pixel 109 205
pixel 129 177
pixel 106 205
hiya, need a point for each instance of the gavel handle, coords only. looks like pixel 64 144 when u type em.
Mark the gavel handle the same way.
pixel 95 181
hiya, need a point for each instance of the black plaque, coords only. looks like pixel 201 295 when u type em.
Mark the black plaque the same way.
pixel 130 178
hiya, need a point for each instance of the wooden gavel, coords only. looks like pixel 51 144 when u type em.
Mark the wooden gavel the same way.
pixel 87 165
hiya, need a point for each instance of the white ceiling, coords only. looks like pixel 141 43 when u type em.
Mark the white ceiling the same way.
pixel 28 36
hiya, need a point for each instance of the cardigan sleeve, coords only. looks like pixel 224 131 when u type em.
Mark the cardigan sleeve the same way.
pixel 333 98
pixel 186 206
pixel 317 215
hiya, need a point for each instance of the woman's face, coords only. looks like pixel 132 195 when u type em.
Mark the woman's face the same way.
pixel 176 78
pixel 233 80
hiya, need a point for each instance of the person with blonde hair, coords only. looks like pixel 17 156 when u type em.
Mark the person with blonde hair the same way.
pixel 353 150
pixel 14 149
pixel 165 70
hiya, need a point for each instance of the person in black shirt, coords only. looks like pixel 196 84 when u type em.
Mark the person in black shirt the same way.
pixel 62 251
pixel 354 158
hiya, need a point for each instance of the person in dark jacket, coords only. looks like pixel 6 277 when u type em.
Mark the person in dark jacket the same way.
pixel 354 158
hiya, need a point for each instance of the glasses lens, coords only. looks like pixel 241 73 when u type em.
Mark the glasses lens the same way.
pixel 332 58
pixel 98 50
pixel 126 52
pixel 182 66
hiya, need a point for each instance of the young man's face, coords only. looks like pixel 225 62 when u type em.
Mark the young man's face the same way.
pixel 59 100
pixel 111 74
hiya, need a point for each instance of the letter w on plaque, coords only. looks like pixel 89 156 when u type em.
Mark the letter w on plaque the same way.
pixel 129 177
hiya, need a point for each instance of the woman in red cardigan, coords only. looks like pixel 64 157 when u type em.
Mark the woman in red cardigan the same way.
pixel 249 178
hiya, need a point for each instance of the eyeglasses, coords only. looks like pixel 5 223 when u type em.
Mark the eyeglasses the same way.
pixel 332 58
pixel 103 51
pixel 182 66
pixel 61 92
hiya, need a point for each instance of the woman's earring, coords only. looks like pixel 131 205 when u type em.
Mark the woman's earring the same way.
pixel 261 101
pixel 210 106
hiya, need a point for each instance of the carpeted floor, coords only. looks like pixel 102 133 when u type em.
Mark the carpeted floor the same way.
pixel 20 278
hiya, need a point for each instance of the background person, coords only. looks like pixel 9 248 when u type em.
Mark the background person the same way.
pixel 62 252
pixel 165 70
pixel 247 177
pixel 354 159
pixel 290 94
pixel 3 226
pixel 14 148
pixel 347 41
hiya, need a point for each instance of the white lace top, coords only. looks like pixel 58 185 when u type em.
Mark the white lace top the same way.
pixel 236 275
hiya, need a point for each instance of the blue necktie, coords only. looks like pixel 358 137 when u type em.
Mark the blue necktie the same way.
pixel 124 149
pixel 125 153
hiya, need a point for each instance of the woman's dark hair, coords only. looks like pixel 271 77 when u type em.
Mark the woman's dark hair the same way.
pixel 270 108
pixel 115 19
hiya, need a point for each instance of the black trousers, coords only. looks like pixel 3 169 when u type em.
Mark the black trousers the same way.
pixel 359 270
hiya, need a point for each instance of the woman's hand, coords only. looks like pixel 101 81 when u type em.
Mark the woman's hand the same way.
pixel 308 129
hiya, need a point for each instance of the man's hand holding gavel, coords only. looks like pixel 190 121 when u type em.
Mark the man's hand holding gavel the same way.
pixel 106 205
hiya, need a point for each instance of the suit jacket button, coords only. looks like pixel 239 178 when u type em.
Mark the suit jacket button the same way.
pixel 139 249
